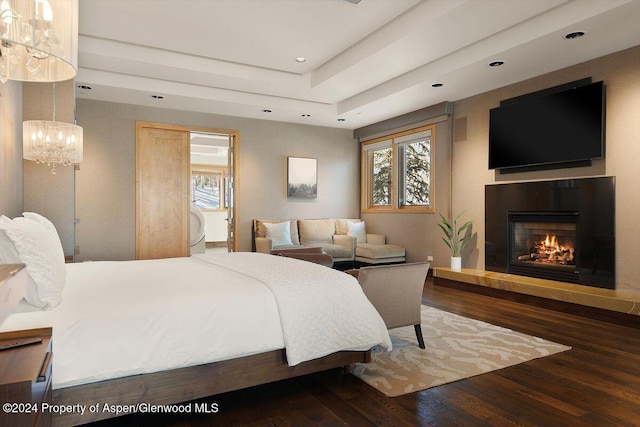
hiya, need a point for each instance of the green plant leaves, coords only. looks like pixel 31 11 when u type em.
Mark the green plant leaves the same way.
pixel 452 234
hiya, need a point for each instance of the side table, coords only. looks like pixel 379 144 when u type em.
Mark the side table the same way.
pixel 25 378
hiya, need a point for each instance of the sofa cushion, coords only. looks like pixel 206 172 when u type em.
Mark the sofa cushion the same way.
pixel 342 226
pixel 316 231
pixel 261 230
pixel 279 233
pixel 336 251
pixel 367 250
pixel 357 230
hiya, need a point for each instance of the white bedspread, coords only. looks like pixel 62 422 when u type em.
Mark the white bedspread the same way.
pixel 321 312
pixel 124 318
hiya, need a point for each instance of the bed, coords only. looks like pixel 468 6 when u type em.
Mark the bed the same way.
pixel 174 330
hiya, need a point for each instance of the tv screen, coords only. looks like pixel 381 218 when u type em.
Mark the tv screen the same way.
pixel 566 126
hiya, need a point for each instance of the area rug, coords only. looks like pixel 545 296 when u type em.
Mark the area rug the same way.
pixel 457 348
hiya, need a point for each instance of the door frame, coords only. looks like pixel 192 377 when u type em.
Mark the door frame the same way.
pixel 235 148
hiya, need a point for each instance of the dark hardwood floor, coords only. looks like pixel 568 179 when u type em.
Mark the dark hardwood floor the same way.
pixel 596 383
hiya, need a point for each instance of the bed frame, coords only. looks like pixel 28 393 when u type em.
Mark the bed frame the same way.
pixel 186 384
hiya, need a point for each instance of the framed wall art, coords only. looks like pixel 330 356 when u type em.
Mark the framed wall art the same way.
pixel 302 177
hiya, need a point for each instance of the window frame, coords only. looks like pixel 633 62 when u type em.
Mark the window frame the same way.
pixel 366 154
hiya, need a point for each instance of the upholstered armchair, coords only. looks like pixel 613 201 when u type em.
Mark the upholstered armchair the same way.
pixel 396 292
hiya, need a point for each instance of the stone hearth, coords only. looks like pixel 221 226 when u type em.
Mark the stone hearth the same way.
pixel 606 299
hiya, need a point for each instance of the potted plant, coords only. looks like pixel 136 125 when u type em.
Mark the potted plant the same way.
pixel 453 239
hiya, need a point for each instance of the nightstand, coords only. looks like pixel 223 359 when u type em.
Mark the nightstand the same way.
pixel 25 379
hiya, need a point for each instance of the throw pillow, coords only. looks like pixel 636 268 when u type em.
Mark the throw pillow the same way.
pixel 44 259
pixel 357 230
pixel 279 233
pixel 8 252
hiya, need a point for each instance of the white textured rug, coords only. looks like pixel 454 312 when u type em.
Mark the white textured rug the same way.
pixel 457 348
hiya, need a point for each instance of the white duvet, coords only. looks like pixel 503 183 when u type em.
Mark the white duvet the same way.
pixel 121 318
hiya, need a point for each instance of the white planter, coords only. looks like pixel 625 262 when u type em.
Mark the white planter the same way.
pixel 456 263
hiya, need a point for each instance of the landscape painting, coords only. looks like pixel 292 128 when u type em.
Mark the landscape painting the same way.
pixel 302 177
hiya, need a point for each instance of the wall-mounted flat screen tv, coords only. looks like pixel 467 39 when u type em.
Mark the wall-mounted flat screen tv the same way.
pixel 561 127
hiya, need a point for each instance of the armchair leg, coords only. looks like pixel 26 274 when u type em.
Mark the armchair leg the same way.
pixel 418 329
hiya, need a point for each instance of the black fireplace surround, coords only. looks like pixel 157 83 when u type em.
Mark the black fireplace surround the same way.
pixel 582 213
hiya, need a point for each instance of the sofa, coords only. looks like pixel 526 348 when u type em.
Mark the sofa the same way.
pixel 343 239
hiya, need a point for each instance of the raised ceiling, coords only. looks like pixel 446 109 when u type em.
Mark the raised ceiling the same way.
pixel 365 62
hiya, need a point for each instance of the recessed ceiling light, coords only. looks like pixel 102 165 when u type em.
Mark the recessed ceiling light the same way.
pixel 437 85
pixel 157 96
pixel 300 59
pixel 574 35
pixel 342 120
pixel 496 63
pixel 306 115
pixel 84 87
pixel 266 111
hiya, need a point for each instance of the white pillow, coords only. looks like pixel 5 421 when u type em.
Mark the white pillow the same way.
pixel 357 230
pixel 48 225
pixel 279 233
pixel 43 256
pixel 8 252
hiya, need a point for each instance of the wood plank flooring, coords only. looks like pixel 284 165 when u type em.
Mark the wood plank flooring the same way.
pixel 596 383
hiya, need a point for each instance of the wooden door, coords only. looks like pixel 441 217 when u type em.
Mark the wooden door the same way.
pixel 162 191
pixel 230 195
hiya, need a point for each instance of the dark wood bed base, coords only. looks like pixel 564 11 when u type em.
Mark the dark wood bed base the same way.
pixel 186 384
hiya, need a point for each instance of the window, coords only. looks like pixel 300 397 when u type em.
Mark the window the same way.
pixel 381 174
pixel 397 172
pixel 209 187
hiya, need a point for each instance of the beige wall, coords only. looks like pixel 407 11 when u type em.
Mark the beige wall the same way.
pixel 11 199
pixel 106 179
pixel 52 196
pixel 620 73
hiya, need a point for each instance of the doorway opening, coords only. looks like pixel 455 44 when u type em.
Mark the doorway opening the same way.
pixel 211 192
pixel 164 185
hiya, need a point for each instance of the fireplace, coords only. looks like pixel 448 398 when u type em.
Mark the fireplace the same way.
pixel 561 230
pixel 543 244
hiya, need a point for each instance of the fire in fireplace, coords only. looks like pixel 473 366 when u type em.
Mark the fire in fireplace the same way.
pixel 542 244
pixel 549 251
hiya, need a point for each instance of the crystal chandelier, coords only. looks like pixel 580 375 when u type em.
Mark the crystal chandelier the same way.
pixel 51 142
pixel 38 40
